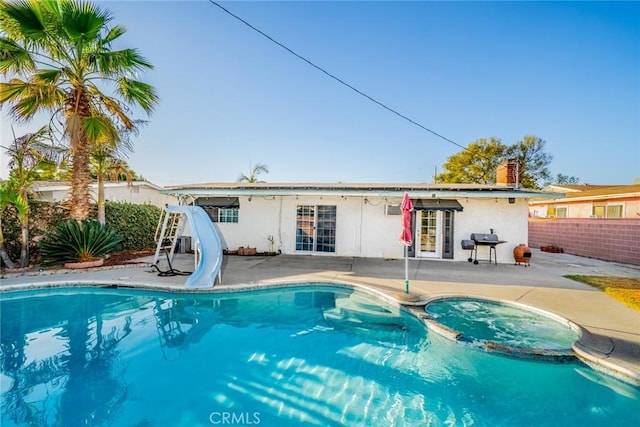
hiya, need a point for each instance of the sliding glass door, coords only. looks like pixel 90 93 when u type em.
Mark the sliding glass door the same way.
pixel 316 228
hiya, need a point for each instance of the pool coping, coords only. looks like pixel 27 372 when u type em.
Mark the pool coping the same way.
pixel 581 349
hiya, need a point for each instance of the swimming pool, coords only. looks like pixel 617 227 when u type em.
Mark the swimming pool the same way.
pixel 303 355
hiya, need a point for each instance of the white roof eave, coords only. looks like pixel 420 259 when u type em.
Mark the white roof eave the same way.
pixel 396 193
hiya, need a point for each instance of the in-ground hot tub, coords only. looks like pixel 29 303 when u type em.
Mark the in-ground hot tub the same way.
pixel 508 328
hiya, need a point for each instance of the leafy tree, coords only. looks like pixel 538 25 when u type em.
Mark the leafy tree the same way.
pixel 477 164
pixel 561 179
pixel 258 169
pixel 60 57
pixel 534 161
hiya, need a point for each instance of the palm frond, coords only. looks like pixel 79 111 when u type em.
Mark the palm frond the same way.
pixel 28 97
pixel 24 21
pixel 14 58
pixel 48 76
pixel 115 32
pixel 139 93
pixel 112 106
pixel 83 21
pixel 99 128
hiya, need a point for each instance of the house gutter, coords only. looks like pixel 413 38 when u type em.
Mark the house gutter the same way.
pixel 490 193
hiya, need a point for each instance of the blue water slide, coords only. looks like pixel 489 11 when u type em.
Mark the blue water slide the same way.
pixel 208 247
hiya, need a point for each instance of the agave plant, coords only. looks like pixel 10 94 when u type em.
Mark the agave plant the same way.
pixel 78 241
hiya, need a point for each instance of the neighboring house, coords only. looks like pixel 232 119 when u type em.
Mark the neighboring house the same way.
pixel 589 201
pixel 363 220
pixel 137 192
pixel 595 221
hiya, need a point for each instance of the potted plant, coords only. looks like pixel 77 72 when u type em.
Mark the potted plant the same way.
pixel 78 244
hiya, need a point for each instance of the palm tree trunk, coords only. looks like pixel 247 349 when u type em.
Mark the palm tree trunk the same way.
pixel 24 221
pixel 78 105
pixel 24 253
pixel 80 181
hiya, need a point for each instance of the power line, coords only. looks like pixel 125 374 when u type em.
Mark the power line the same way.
pixel 339 80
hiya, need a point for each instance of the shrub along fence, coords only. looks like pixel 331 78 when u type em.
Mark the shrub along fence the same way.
pixel 135 224
pixel 616 240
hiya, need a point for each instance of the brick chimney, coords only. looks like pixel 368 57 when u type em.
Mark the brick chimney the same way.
pixel 509 173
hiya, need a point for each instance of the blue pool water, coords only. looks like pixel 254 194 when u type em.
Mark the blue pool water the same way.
pixel 313 355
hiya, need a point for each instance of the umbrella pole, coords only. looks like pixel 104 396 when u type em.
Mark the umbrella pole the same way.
pixel 406 269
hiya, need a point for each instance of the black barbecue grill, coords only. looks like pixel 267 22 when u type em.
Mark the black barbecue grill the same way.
pixel 482 239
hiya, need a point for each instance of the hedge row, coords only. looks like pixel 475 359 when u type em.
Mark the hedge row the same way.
pixel 135 224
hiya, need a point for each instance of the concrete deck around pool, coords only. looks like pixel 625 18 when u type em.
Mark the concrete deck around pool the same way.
pixel 612 340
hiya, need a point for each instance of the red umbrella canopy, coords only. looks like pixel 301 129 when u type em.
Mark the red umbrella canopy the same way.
pixel 406 207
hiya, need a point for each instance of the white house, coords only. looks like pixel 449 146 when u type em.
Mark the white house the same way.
pixel 137 192
pixel 363 220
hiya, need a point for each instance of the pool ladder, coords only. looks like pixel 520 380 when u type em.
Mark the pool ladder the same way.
pixel 170 227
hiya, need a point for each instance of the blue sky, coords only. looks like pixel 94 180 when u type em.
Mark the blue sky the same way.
pixel 567 72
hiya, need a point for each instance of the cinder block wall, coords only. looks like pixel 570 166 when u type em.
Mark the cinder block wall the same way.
pixel 615 240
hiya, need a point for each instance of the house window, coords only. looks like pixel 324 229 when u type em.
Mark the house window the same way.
pixel 220 209
pixel 228 215
pixel 551 212
pixel 614 211
pixel 561 212
pixel 222 214
pixel 597 211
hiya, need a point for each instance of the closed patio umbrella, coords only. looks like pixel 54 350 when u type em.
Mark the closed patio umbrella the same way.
pixel 405 237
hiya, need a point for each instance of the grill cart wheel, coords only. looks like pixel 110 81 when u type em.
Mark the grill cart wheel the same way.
pixel 469 245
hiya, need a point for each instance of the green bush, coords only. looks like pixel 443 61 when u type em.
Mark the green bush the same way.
pixel 43 217
pixel 135 224
pixel 78 241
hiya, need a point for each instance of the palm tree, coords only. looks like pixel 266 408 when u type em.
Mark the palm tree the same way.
pixel 254 172
pixel 106 165
pixel 60 57
pixel 8 196
pixel 26 154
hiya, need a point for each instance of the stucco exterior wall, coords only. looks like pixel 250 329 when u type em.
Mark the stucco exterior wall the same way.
pixel 615 240
pixel 364 230
pixel 509 222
